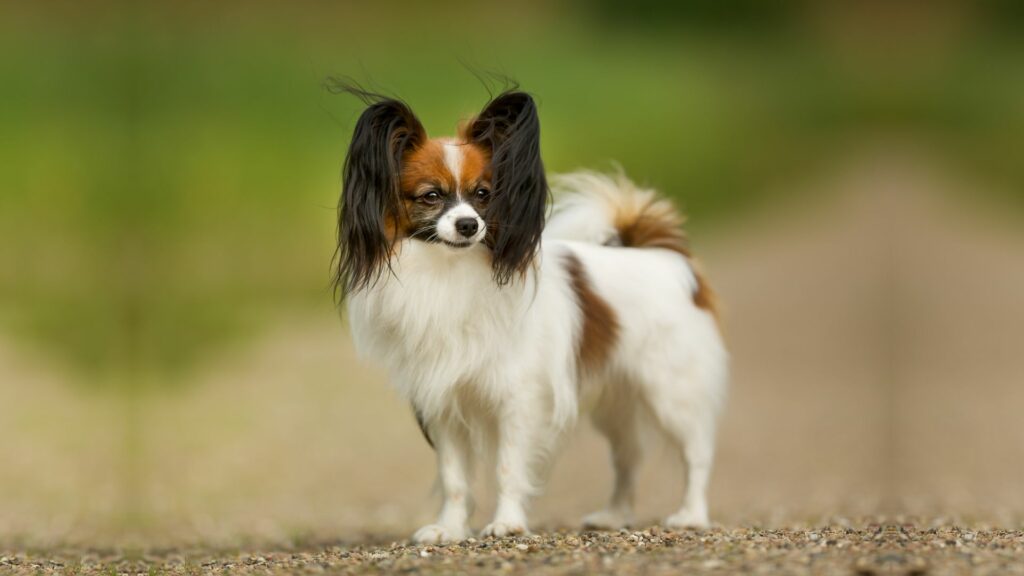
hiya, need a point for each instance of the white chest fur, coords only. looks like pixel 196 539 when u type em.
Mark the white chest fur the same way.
pixel 440 321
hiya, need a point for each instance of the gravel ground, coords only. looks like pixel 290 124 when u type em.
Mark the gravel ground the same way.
pixel 867 547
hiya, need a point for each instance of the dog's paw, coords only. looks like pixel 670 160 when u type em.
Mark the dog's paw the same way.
pixel 606 520
pixel 502 529
pixel 687 519
pixel 438 534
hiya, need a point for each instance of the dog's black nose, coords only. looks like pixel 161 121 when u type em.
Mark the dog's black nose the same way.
pixel 467 226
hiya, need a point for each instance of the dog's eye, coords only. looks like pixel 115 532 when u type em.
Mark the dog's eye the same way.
pixel 430 197
pixel 483 194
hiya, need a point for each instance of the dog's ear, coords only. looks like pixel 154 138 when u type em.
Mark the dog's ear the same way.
pixel 368 213
pixel 509 128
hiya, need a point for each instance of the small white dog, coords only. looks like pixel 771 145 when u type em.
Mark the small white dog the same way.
pixel 500 336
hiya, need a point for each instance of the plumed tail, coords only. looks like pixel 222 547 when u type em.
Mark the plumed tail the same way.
pixel 611 210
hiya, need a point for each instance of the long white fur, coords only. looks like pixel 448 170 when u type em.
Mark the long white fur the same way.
pixel 492 371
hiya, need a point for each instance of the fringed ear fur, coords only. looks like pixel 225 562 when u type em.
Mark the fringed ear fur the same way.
pixel 510 129
pixel 368 212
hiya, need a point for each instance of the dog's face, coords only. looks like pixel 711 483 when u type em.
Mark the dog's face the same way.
pixel 446 188
pixel 484 187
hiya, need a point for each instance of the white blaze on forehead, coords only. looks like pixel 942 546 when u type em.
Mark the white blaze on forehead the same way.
pixel 453 160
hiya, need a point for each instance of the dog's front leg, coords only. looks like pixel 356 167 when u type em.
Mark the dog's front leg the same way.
pixel 515 459
pixel 453 469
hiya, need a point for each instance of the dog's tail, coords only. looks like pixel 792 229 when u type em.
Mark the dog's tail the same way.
pixel 610 209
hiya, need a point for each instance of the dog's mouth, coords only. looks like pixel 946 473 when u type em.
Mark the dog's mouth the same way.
pixel 465 244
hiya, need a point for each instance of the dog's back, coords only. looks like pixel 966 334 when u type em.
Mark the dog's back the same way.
pixel 644 298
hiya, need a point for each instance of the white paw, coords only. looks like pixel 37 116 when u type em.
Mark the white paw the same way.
pixel 607 520
pixel 438 534
pixel 502 529
pixel 687 519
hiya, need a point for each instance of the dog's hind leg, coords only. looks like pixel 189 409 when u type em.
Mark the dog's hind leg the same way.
pixel 695 437
pixel 616 418
pixel 684 402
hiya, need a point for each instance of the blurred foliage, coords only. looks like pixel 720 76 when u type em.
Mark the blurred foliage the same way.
pixel 170 169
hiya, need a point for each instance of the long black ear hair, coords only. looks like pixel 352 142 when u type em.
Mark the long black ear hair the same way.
pixel 510 129
pixel 370 201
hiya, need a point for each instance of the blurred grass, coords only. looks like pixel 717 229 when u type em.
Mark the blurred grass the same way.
pixel 170 170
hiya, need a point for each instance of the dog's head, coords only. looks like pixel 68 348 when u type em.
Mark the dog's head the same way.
pixel 486 186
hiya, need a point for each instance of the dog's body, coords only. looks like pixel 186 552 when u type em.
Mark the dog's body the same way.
pixel 607 316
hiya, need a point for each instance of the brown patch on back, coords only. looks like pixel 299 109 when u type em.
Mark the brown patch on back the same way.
pixel 652 222
pixel 600 328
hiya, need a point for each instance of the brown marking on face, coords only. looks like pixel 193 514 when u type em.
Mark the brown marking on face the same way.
pixel 425 169
pixel 476 168
pixel 653 222
pixel 600 328
pixel 424 165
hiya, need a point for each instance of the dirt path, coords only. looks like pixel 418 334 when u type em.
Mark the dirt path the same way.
pixel 868 548
pixel 878 370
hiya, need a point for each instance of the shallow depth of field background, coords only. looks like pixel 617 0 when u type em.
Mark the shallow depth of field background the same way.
pixel 172 368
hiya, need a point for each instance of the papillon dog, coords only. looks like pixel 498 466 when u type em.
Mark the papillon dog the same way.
pixel 500 325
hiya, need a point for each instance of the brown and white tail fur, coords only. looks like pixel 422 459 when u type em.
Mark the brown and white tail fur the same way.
pixel 610 209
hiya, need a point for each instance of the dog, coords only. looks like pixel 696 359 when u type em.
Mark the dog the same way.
pixel 501 326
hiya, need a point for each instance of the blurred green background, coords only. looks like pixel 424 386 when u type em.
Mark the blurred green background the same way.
pixel 169 170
